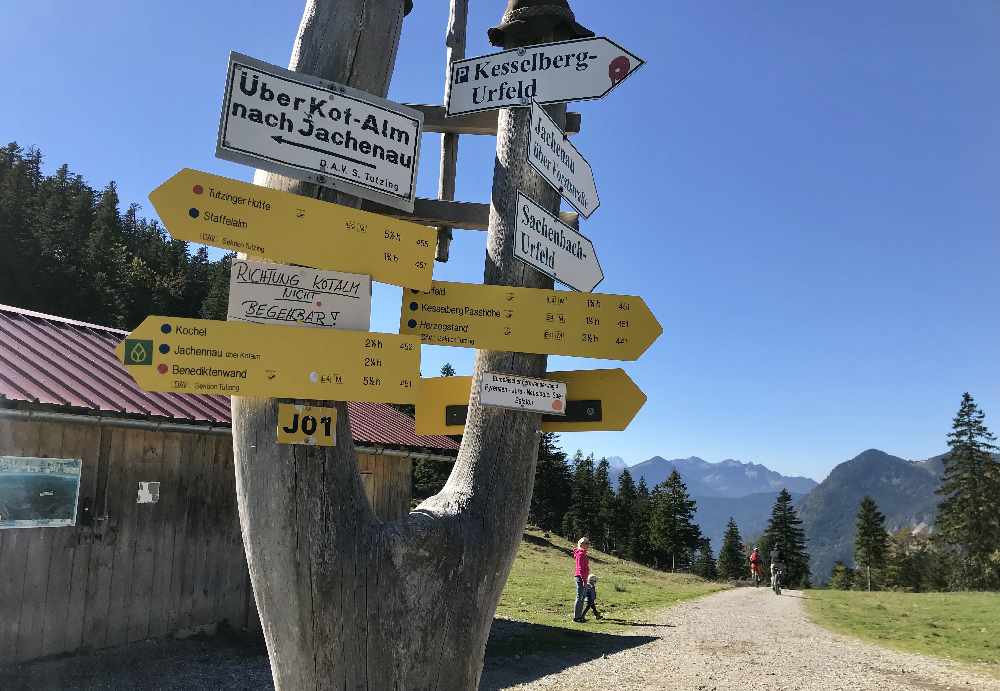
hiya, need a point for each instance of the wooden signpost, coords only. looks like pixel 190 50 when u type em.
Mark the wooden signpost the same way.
pixel 315 130
pixel 202 356
pixel 596 400
pixel 530 320
pixel 292 229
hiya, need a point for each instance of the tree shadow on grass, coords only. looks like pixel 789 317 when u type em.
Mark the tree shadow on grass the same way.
pixel 542 542
pixel 519 652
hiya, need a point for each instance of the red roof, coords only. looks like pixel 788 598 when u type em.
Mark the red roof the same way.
pixel 72 365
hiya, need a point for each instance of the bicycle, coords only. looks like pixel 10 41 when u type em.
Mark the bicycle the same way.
pixel 756 575
pixel 776 580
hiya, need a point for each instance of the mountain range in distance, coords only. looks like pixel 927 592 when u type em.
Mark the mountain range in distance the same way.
pixel 904 491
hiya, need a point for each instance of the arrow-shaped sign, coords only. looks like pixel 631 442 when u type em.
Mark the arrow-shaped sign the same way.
pixel 543 241
pixel 202 356
pixel 556 159
pixel 597 400
pixel 576 70
pixel 310 129
pixel 292 229
pixel 530 320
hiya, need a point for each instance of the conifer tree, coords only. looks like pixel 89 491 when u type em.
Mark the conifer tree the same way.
pixel 871 542
pixel 672 529
pixel 704 562
pixel 969 512
pixel 604 508
pixel 784 529
pixel 640 549
pixel 732 557
pixel 553 489
pixel 841 576
pixel 625 511
pixel 579 519
pixel 447 370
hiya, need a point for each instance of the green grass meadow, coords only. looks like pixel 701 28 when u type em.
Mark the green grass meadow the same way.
pixel 541 590
pixel 964 627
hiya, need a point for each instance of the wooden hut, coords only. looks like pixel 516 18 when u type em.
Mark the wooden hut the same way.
pixel 151 544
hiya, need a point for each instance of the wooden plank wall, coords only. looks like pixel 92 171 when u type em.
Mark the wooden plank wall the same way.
pixel 129 571
pixel 126 571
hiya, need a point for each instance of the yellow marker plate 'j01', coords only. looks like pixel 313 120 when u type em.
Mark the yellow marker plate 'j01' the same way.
pixel 596 400
pixel 307 424
pixel 201 356
pixel 292 229
pixel 530 320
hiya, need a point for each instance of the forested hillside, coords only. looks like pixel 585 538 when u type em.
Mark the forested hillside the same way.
pixel 69 250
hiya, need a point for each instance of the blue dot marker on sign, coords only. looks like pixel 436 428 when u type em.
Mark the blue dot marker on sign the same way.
pixel 165 328
pixel 164 348
pixel 193 212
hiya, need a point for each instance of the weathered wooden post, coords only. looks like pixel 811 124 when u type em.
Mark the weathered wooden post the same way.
pixel 345 600
pixel 287 495
pixel 458 19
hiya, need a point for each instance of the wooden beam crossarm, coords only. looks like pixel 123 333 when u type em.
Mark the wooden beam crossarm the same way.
pixel 484 122
pixel 465 215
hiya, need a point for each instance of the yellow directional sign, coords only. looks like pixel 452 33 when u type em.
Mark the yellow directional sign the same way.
pixel 292 229
pixel 530 320
pixel 596 400
pixel 201 356
pixel 306 424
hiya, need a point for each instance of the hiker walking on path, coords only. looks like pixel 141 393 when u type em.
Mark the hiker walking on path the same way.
pixel 581 575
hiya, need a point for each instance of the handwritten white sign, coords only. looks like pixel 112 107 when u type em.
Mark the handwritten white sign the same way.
pixel 266 293
pixel 522 393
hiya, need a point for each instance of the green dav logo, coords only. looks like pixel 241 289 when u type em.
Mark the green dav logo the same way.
pixel 138 352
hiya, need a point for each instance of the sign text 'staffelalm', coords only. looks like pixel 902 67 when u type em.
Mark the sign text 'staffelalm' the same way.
pixel 315 130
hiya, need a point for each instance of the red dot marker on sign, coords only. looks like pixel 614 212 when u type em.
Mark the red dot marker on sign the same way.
pixel 162 369
pixel 197 189
pixel 556 405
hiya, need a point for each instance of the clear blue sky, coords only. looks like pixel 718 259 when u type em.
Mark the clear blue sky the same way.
pixel 806 194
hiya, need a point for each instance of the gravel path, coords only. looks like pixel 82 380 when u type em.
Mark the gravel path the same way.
pixel 709 644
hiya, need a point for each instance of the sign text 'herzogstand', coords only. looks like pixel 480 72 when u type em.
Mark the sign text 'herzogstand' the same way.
pixel 315 130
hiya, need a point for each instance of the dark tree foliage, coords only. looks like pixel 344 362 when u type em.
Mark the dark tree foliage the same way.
pixel 969 513
pixel 704 561
pixel 640 547
pixel 69 250
pixel 625 517
pixel 672 529
pixel 784 529
pixel 550 498
pixel 580 520
pixel 733 564
pixel 604 510
pixel 841 576
pixel 871 544
pixel 447 370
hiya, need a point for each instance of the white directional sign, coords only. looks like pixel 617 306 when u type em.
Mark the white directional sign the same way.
pixel 266 293
pixel 558 161
pixel 523 393
pixel 318 131
pixel 543 241
pixel 574 70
